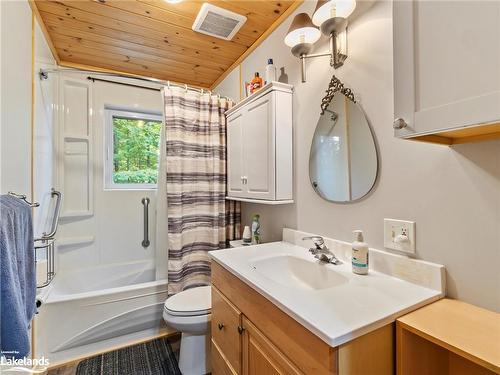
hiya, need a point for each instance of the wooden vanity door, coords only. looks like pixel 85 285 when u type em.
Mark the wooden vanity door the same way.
pixel 260 356
pixel 226 337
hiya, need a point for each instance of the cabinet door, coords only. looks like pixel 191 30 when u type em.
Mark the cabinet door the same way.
pixel 220 365
pixel 446 64
pixel 225 327
pixel 235 155
pixel 258 148
pixel 260 356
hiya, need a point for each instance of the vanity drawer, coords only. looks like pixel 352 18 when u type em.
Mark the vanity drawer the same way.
pixel 225 324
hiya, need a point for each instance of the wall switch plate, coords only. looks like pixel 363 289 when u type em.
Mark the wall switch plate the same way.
pixel 399 235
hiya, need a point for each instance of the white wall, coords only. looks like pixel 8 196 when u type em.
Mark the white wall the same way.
pixel 228 87
pixel 453 193
pixel 15 82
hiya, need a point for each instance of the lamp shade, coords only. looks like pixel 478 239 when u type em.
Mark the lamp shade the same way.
pixel 302 30
pixel 327 9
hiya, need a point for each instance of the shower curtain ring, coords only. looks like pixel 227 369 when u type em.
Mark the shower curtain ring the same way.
pixel 186 87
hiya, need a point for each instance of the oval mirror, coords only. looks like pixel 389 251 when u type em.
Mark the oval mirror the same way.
pixel 343 163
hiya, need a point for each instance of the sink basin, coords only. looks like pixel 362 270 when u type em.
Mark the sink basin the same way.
pixel 299 273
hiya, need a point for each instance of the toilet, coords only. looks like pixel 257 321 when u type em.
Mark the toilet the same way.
pixel 189 312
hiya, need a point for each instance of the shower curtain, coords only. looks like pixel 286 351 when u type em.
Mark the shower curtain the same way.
pixel 199 218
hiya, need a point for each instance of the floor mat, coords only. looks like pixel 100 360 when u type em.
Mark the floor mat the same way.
pixel 151 358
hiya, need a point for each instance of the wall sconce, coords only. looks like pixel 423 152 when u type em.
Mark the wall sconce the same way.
pixel 331 18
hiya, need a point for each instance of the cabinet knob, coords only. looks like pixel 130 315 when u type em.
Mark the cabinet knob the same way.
pixel 221 326
pixel 399 123
pixel 240 329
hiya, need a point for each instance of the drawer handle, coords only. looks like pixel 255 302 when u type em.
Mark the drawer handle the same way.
pixel 221 326
pixel 240 329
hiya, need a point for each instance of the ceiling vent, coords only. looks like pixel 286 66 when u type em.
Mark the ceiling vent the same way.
pixel 218 22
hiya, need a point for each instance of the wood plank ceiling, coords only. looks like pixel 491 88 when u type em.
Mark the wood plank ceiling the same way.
pixel 152 37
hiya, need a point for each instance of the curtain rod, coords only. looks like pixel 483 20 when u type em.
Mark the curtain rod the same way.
pixel 43 74
pixel 93 79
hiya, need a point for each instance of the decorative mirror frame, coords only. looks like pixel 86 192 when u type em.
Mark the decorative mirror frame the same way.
pixel 334 86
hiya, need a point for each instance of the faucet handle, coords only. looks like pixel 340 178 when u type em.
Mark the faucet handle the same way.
pixel 317 240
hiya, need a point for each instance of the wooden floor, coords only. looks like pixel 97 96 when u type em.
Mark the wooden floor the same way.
pixel 65 370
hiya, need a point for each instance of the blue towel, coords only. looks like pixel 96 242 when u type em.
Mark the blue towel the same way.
pixel 18 276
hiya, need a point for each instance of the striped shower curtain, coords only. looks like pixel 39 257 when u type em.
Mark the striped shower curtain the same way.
pixel 200 219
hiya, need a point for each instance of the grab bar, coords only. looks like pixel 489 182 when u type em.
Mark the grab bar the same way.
pixel 48 245
pixel 55 218
pixel 145 202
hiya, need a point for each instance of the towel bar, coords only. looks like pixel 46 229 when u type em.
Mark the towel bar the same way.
pixel 47 240
pixel 23 197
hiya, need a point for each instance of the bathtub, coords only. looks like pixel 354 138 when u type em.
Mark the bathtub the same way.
pixel 91 310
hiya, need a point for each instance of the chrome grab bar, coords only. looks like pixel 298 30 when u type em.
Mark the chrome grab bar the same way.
pixel 55 218
pixel 145 202
pixel 47 241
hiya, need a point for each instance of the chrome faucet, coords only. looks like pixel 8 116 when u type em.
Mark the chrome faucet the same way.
pixel 321 251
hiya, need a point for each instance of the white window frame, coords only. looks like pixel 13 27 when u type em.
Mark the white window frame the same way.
pixel 109 184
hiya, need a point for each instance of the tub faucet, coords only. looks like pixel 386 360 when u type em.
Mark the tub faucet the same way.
pixel 321 251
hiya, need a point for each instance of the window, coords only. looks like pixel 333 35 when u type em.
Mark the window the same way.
pixel 132 150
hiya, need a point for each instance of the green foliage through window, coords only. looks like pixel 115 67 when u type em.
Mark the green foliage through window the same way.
pixel 136 150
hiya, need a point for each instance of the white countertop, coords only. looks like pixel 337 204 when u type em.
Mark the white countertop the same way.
pixel 336 314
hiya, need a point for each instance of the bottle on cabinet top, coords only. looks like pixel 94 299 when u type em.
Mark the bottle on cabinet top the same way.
pixel 256 83
pixel 270 71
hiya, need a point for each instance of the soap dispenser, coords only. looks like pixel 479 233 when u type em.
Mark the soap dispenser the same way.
pixel 360 254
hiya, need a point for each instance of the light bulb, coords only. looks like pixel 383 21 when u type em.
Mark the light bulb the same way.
pixel 326 10
pixel 301 31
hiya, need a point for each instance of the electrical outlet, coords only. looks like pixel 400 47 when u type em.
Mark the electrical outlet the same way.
pixel 399 235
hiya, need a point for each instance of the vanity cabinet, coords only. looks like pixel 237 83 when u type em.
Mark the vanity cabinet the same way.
pixel 259 146
pixel 252 336
pixel 446 70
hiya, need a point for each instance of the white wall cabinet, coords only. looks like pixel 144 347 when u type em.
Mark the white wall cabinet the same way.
pixel 446 70
pixel 259 146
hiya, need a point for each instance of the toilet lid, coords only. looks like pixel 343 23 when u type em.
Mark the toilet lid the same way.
pixel 194 301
